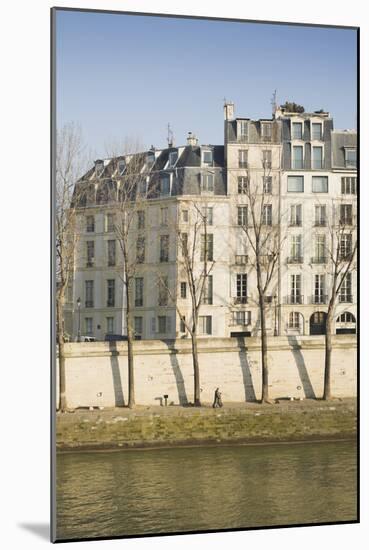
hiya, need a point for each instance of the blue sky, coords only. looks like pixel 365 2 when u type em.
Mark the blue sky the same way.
pixel 122 76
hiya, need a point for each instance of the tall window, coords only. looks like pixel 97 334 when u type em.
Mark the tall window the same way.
pixel 110 325
pixel 319 289
pixel 294 320
pixel 139 285
pixel 182 324
pixel 242 216
pixel 164 248
pixel 297 157
pixel 242 317
pixel 165 185
pixel 241 287
pixel 320 215
pixel 207 246
pixel 317 158
pixel 316 131
pixel 205 323
pixel 346 289
pixel 183 289
pixel 267 159
pixel 111 253
pixel 296 248
pixel 345 246
pixel 109 222
pixel 267 184
pixel 296 214
pixel 207 297
pixel 346 214
pixel 350 158
pixel 164 216
pixel 296 296
pixel 140 219
pixel 173 157
pixel 207 158
pixel 110 302
pixel 185 216
pixel 163 324
pixel 296 130
pixel 184 243
pixel 242 185
pixel 88 326
pixel 140 250
pixel 267 214
pixel 295 184
pixel 121 167
pixel 320 249
pixel 89 294
pixel 90 224
pixel 348 186
pixel 207 213
pixel 163 291
pixel 150 159
pixel 207 183
pixel 90 253
pixel 266 131
pixel 320 184
pixel 243 130
pixel 242 158
pixel 138 326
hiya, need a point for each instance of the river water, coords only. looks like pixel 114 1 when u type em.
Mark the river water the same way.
pixel 185 489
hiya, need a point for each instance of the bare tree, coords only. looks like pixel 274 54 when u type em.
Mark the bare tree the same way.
pixel 341 252
pixel 70 163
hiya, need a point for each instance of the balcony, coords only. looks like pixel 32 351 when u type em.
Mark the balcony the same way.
pixel 294 299
pixel 319 260
pixel 345 298
pixel 319 299
pixel 240 300
pixel 295 260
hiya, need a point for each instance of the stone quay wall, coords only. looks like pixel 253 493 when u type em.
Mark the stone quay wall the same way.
pixel 96 372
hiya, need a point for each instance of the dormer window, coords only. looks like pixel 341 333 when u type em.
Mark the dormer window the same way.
pixel 266 131
pixel 173 157
pixel 165 185
pixel 150 159
pixel 121 167
pixel 242 130
pixel 316 131
pixel 350 158
pixel 296 130
pixel 207 158
pixel 99 168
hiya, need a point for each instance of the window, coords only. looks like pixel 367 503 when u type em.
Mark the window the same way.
pixel 297 157
pixel 345 246
pixel 316 131
pixel 110 325
pixel 207 183
pixel 267 159
pixel 241 259
pixel 207 243
pixel 89 294
pixel 346 214
pixel 243 130
pixel 139 283
pixel 185 216
pixel 110 302
pixel 142 184
pixel 346 317
pixel 90 248
pixel 164 248
pixel 320 184
pixel 99 168
pixel 266 131
pixel 242 158
pixel 348 186
pixel 207 297
pixel 121 166
pixel 267 214
pixel 140 219
pixel 296 297
pixel 242 317
pixel 207 213
pixel 90 224
pixel 350 158
pixel 242 185
pixel 205 323
pixel 111 253
pixel 242 215
pixel 294 320
pixel 319 289
pixel 184 243
pixel 182 324
pixel 295 184
pixel 173 157
pixel 183 289
pixel 88 326
pixel 320 249
pixel 296 214
pixel 317 158
pixel 165 186
pixel 296 248
pixel 207 158
pixel 138 325
pixel 163 291
pixel 162 324
pixel 164 216
pixel 320 215
pixel 267 184
pixel 140 250
pixel 109 222
pixel 241 287
pixel 345 290
pixel 150 159
pixel 296 130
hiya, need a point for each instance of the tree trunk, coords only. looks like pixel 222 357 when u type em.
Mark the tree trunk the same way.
pixel 196 370
pixel 60 337
pixel 131 381
pixel 328 356
pixel 264 354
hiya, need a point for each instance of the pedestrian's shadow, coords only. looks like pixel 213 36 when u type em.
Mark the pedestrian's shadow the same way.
pixel 246 373
pixel 181 388
pixel 301 367
pixel 117 380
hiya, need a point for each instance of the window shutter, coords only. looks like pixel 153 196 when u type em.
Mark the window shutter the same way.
pixel 153 325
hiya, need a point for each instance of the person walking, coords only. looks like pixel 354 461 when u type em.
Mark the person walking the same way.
pixel 217 399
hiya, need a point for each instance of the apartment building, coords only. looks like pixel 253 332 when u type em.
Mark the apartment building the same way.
pixel 303 172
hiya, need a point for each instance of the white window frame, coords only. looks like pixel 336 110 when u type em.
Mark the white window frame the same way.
pixel 321 167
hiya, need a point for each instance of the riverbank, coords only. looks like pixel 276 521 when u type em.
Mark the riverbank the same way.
pixel 155 426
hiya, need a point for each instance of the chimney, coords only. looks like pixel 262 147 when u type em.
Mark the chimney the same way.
pixel 228 110
pixel 192 139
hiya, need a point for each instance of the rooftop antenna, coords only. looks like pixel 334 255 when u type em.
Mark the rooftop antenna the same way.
pixel 170 136
pixel 273 101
